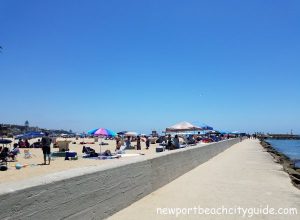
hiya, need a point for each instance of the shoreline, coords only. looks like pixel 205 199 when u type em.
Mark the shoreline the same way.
pixel 287 164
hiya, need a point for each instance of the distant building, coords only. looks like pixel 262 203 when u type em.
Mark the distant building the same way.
pixel 26 125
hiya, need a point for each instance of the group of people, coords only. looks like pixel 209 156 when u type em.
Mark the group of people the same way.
pixel 172 144
pixel 45 142
pixel 6 153
pixel 23 144
pixel 120 141
pixel 253 136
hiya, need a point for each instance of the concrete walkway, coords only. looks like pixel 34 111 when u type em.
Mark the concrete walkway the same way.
pixel 243 176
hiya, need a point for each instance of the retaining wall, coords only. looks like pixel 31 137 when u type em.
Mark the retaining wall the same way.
pixel 96 193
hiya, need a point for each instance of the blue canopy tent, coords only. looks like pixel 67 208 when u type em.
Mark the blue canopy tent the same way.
pixel 206 127
pixel 122 132
pixel 30 135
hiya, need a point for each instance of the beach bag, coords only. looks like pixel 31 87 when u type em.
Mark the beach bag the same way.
pixel 3 168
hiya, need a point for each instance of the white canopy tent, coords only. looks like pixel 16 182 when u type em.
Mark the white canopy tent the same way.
pixel 183 126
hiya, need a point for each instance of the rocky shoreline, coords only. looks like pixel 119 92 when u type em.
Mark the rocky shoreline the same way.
pixel 287 164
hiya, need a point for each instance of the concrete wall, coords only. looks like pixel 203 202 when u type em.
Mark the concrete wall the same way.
pixel 99 194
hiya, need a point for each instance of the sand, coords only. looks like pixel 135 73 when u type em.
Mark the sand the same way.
pixel 242 176
pixel 35 169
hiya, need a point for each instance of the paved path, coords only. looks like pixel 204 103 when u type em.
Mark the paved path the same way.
pixel 243 176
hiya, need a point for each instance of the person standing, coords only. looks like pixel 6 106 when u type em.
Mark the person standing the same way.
pixel 169 143
pixel 147 143
pixel 176 142
pixel 138 143
pixel 46 142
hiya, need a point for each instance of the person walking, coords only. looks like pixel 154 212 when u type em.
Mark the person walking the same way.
pixel 46 142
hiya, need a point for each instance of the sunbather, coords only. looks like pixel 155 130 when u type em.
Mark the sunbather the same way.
pixel 89 151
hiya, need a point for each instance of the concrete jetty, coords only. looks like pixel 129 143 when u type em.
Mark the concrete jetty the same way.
pixel 243 176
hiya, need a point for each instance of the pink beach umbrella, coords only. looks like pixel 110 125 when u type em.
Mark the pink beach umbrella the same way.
pixel 102 132
pixel 105 132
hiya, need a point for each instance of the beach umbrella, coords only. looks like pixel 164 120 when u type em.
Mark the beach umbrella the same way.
pixel 91 132
pixel 5 141
pixel 131 134
pixel 102 132
pixel 105 132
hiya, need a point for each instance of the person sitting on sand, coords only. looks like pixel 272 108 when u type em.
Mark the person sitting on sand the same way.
pixel 89 151
pixel 26 143
pixel 128 143
pixel 14 152
pixel 46 142
pixel 117 140
pixel 118 145
pixel 21 143
pixel 107 153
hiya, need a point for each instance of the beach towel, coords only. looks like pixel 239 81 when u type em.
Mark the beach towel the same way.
pixel 131 155
pixel 102 157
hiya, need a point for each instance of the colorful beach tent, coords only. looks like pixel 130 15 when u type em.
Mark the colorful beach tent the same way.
pixel 183 126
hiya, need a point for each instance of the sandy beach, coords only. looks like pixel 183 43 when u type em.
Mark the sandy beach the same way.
pixel 242 176
pixel 35 169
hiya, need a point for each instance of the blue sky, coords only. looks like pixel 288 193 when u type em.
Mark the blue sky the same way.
pixel 143 65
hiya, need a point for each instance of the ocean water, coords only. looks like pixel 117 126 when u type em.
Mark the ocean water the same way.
pixel 290 148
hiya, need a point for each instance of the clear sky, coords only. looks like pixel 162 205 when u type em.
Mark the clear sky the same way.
pixel 143 65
